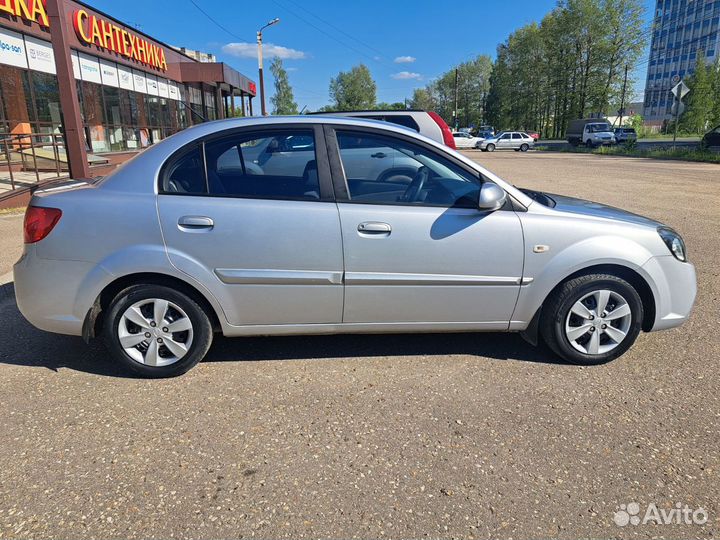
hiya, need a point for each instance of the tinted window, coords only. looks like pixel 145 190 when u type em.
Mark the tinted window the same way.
pixel 186 174
pixel 385 170
pixel 403 120
pixel 516 136
pixel 277 166
pixel 506 136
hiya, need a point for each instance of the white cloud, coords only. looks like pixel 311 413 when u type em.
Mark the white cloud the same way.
pixel 249 50
pixel 405 75
pixel 405 59
pixel 291 69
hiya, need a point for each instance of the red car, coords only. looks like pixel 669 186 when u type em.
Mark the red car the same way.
pixel 534 135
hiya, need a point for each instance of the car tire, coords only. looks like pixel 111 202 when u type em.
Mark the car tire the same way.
pixel 138 331
pixel 584 339
pixel 524 147
pixel 589 143
pixel 490 147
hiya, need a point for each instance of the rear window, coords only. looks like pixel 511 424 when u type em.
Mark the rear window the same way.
pixel 403 120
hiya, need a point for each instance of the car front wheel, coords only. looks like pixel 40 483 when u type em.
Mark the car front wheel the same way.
pixel 490 147
pixel 592 319
pixel 157 331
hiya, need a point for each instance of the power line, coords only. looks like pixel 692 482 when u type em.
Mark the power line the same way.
pixel 309 23
pixel 201 10
pixel 331 25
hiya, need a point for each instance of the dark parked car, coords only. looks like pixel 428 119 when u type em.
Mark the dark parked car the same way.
pixel 625 134
pixel 712 138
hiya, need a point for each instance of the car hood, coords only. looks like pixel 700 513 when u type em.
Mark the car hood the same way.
pixel 588 208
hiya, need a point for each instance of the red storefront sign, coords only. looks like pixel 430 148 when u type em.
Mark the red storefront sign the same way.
pixel 96 31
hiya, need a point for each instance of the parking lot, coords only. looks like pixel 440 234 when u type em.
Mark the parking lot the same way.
pixel 463 436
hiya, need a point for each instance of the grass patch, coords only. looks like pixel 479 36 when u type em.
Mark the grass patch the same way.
pixel 681 154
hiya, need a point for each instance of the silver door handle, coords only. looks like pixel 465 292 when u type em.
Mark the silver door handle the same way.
pixel 196 222
pixel 374 227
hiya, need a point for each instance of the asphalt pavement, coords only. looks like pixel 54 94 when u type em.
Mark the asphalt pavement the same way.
pixel 440 436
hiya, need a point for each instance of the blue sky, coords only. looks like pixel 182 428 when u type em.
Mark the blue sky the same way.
pixel 405 43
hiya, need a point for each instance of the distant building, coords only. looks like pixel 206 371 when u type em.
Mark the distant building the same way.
pixel 196 55
pixel 631 109
pixel 683 30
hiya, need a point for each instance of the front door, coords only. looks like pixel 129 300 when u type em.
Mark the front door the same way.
pixel 419 250
pixel 259 223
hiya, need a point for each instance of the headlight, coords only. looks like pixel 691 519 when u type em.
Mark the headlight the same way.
pixel 674 242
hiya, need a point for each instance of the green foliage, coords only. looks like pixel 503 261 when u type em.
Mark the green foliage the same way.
pixel 703 108
pixel 473 84
pixel 638 124
pixel 422 99
pixel 283 101
pixel 569 66
pixel 397 106
pixel 353 90
pixel 668 152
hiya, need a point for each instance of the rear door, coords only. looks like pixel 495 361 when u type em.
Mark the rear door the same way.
pixel 253 211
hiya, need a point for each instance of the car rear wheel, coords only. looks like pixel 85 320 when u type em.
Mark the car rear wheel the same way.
pixel 490 147
pixel 157 331
pixel 524 147
pixel 592 319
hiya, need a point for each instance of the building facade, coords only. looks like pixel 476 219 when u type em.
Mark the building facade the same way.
pixel 683 32
pixel 133 90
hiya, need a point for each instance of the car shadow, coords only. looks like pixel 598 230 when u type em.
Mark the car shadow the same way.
pixel 24 345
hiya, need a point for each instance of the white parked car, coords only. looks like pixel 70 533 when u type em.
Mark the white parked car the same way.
pixel 465 140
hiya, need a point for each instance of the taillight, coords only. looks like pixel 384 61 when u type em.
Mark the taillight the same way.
pixel 446 133
pixel 39 222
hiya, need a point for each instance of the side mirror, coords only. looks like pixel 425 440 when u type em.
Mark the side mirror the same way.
pixel 492 197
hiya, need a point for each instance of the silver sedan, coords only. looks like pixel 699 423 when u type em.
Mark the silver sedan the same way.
pixel 321 225
pixel 508 140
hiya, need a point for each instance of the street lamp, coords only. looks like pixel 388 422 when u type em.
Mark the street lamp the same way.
pixel 260 64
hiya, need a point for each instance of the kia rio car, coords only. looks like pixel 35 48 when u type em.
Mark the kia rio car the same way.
pixel 322 225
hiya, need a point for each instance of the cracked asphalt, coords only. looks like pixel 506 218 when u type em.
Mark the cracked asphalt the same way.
pixel 440 436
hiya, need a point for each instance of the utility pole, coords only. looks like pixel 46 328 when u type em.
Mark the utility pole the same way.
pixel 455 111
pixel 622 98
pixel 260 64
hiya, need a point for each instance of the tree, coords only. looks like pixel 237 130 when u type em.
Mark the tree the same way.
pixel 397 106
pixel 422 99
pixel 283 100
pixel 699 112
pixel 353 90
pixel 569 66
pixel 473 85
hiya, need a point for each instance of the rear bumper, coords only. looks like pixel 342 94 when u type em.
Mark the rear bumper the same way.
pixel 46 292
pixel 675 287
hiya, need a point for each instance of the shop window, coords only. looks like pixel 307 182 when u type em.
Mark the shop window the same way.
pixel 47 97
pixel 15 97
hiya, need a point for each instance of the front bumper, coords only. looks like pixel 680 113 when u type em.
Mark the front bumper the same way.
pixel 674 287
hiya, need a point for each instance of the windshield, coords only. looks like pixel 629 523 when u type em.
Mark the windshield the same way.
pixel 595 128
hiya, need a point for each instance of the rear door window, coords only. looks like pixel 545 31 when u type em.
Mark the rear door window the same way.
pixel 280 164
